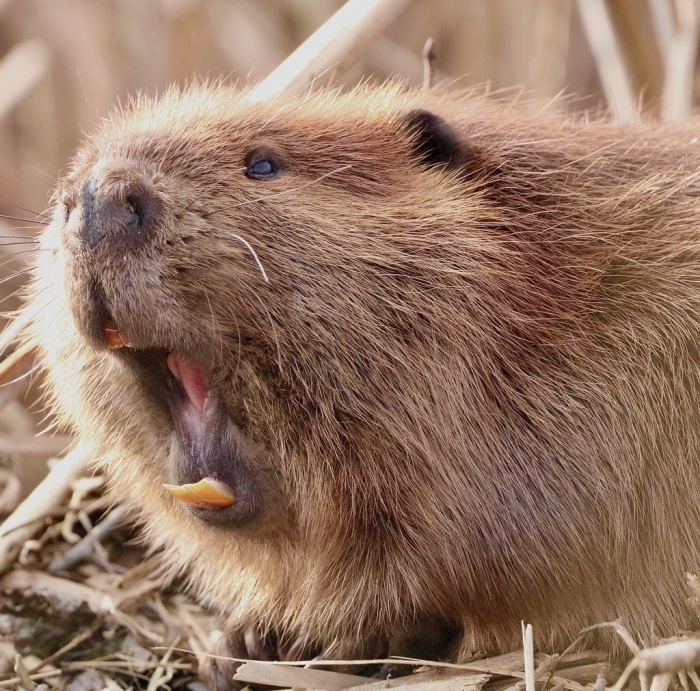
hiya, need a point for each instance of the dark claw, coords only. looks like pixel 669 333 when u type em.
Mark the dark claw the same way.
pixel 370 649
pixel 259 647
pixel 300 649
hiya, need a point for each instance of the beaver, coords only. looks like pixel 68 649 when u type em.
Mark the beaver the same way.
pixel 414 366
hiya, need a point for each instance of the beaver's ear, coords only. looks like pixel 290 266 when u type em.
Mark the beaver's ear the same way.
pixel 434 139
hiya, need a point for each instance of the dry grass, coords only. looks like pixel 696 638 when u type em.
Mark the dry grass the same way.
pixel 81 606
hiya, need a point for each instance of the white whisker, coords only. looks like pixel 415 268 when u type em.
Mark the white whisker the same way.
pixel 254 253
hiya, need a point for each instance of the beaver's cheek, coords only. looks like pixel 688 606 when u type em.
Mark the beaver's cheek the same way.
pixel 212 471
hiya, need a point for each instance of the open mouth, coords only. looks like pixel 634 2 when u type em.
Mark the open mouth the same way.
pixel 212 469
pixel 194 412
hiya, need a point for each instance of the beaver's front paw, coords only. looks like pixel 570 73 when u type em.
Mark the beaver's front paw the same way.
pixel 248 644
pixel 425 638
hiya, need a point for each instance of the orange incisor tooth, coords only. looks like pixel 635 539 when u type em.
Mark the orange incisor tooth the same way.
pixel 114 338
pixel 208 494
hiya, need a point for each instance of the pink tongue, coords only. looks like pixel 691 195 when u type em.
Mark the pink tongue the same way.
pixel 192 378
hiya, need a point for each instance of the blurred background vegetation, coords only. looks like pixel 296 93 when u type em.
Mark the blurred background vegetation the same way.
pixel 65 63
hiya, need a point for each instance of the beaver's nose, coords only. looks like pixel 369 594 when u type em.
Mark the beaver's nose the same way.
pixel 118 208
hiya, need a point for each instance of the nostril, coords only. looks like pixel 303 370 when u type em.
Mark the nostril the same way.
pixel 134 209
pixel 141 207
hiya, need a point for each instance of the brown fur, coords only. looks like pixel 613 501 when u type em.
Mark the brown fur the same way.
pixel 476 388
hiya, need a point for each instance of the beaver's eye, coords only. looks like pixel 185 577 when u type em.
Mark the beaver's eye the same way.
pixel 262 169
